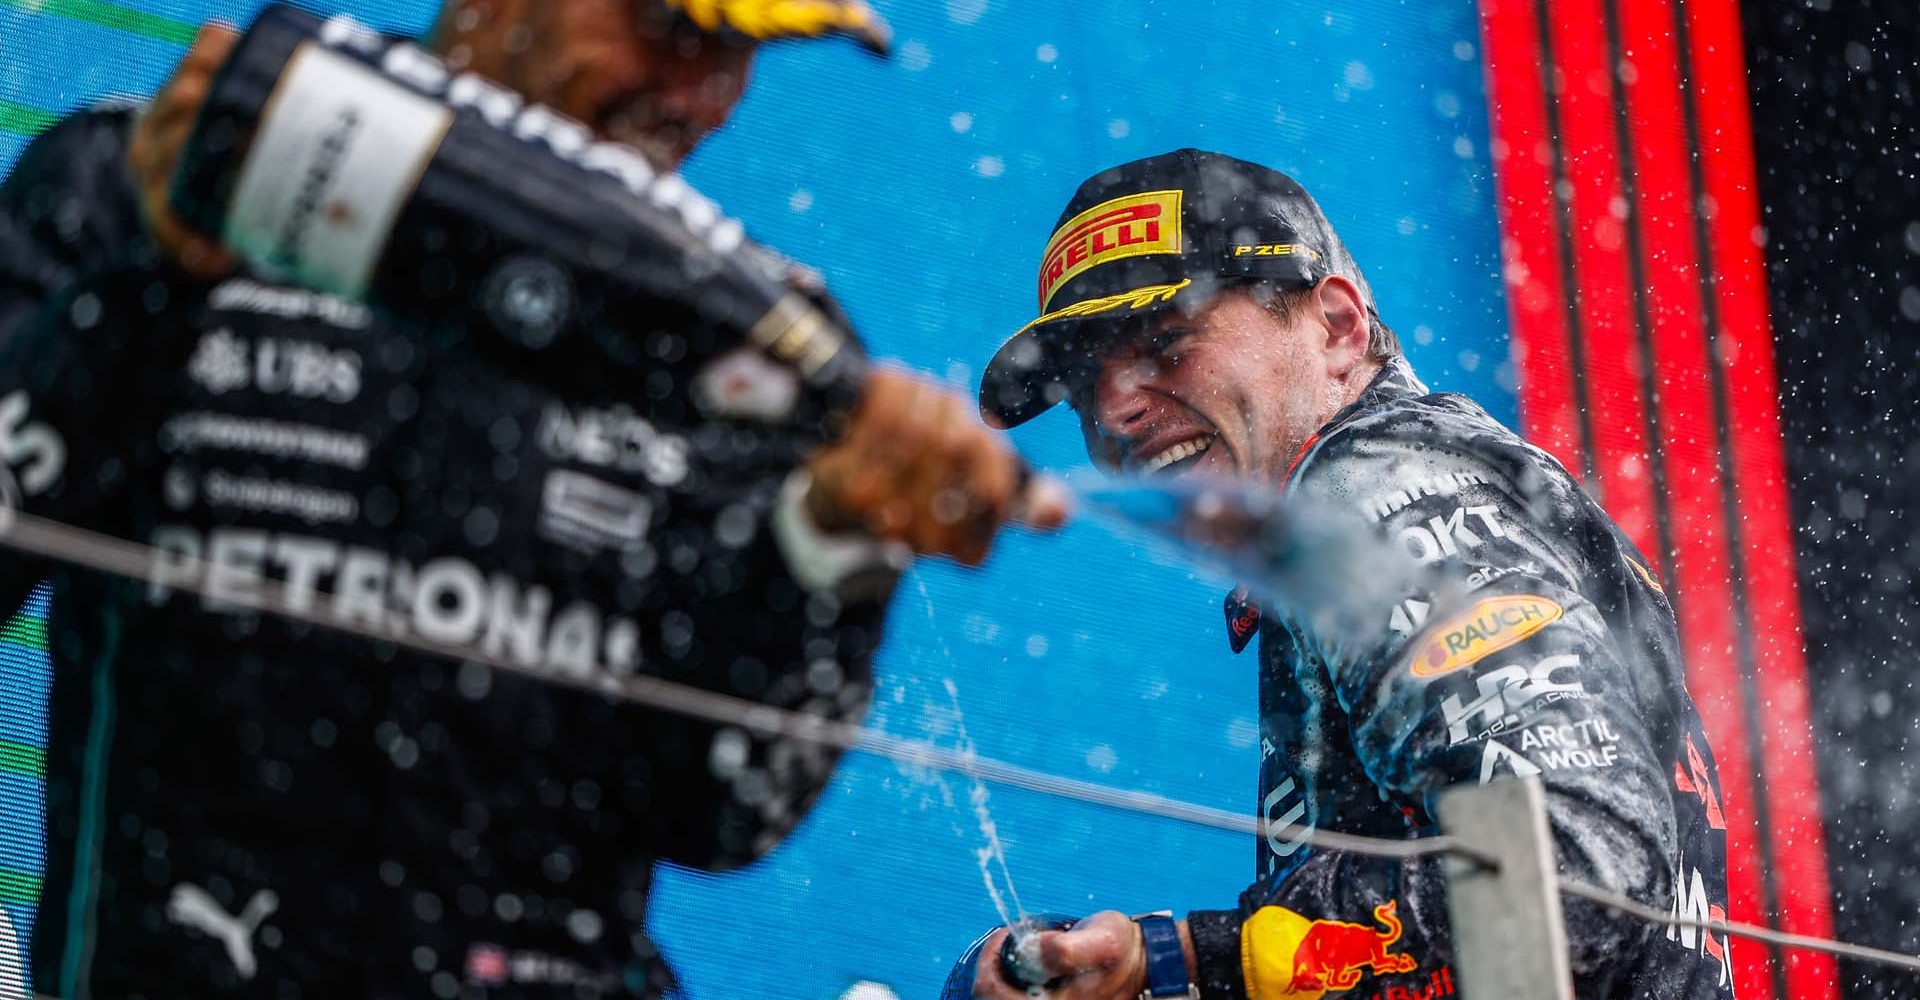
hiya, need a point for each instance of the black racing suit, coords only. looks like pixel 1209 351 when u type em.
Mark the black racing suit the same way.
pixel 1533 641
pixel 242 806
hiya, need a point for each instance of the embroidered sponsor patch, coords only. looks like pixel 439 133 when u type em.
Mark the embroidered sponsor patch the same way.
pixel 1243 618
pixel 1286 956
pixel 1274 250
pixel 1132 226
pixel 1482 630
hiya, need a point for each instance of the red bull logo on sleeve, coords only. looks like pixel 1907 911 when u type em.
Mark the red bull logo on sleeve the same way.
pixel 1289 957
pixel 1333 952
pixel 1124 227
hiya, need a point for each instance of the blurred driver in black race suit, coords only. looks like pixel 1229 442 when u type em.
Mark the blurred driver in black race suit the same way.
pixel 240 806
pixel 1202 318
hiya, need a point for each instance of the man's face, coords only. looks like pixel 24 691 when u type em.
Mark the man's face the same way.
pixel 1232 392
pixel 608 63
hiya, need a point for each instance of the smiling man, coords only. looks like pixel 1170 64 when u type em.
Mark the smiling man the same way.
pixel 241 806
pixel 1203 319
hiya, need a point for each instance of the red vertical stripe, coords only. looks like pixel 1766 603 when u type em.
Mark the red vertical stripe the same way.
pixel 1529 244
pixel 1600 262
pixel 1691 446
pixel 1710 576
pixel 1745 344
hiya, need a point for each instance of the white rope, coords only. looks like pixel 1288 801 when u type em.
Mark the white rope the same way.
pixel 132 560
pixel 135 561
pixel 1615 901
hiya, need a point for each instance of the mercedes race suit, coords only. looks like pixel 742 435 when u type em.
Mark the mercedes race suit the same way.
pixel 1532 640
pixel 241 806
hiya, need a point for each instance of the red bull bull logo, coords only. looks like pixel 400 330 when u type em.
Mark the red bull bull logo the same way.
pixel 1287 956
pixel 1333 952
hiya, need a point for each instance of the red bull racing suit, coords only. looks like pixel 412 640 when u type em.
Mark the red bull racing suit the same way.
pixel 241 806
pixel 1534 640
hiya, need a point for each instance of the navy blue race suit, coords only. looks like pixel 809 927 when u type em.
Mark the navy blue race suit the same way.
pixel 1532 641
pixel 241 806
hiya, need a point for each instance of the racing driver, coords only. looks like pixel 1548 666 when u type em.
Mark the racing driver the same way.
pixel 242 806
pixel 1202 319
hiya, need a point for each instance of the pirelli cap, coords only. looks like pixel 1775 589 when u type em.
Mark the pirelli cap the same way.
pixel 773 20
pixel 1169 231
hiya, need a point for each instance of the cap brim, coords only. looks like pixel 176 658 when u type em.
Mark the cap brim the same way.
pixel 1024 378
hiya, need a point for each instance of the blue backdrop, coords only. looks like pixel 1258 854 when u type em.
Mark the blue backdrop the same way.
pixel 924 189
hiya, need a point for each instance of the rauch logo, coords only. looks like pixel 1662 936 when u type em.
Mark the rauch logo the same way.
pixel 1486 628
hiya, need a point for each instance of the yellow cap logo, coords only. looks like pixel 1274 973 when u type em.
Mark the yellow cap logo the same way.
pixel 1124 227
pixel 770 19
pixel 1484 629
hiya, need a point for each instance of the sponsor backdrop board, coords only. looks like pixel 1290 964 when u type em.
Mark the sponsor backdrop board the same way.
pixel 925 188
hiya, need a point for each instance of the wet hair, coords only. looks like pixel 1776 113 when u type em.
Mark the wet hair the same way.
pixel 1290 303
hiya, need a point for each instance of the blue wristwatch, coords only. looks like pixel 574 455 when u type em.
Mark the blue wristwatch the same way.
pixel 1166 959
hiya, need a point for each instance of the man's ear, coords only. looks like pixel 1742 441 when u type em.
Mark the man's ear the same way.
pixel 1344 313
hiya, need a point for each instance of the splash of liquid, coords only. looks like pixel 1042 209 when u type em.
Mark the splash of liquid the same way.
pixel 1023 931
pixel 992 855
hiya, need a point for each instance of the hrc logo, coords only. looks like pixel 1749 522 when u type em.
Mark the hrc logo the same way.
pixel 1137 224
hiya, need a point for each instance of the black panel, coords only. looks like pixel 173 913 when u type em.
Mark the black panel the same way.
pixel 1834 112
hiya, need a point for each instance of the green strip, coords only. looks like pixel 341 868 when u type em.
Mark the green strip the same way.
pixel 19 758
pixel 19 888
pixel 25 630
pixel 76 972
pixel 109 15
pixel 23 120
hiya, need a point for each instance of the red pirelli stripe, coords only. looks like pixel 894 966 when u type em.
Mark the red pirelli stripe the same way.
pixel 1533 261
pixel 1744 351
pixel 1599 240
pixel 1657 365
pixel 1703 558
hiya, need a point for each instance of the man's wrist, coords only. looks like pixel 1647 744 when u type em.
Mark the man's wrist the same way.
pixel 1166 965
pixel 825 560
pixel 1186 949
pixel 827 515
pixel 1212 939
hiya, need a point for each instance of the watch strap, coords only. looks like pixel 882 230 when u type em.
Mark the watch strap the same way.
pixel 1166 959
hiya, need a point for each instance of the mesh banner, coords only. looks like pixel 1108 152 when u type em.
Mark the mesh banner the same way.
pixel 924 188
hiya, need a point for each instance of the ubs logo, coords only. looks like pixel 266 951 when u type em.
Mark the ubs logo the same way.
pixel 224 362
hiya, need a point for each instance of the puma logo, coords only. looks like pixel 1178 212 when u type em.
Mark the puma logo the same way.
pixel 192 906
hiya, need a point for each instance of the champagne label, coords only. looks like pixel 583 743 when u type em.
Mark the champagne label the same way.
pixel 339 151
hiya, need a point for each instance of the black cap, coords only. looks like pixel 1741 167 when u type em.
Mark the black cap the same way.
pixel 1167 231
